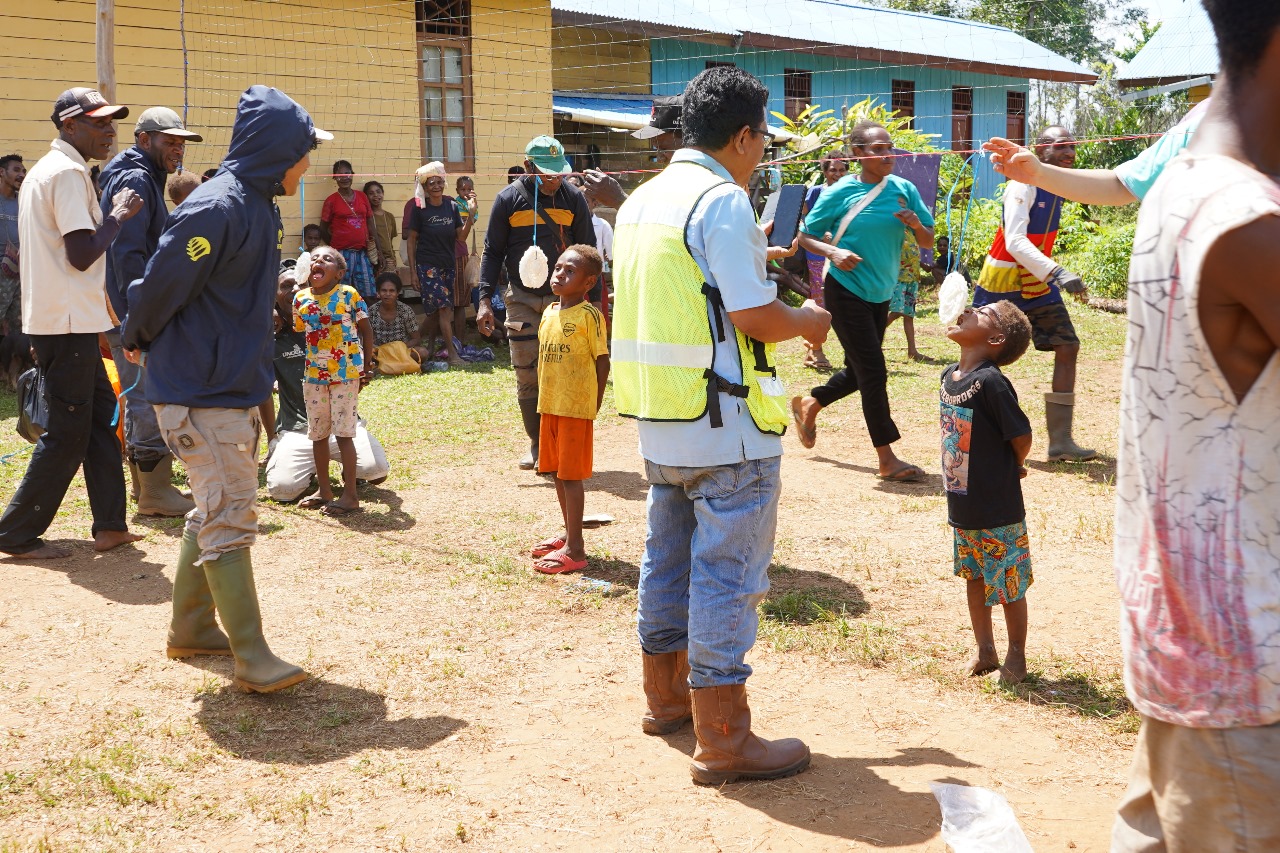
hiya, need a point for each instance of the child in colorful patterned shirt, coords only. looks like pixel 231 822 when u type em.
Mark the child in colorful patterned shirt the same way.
pixel 985 441
pixel 573 366
pixel 339 346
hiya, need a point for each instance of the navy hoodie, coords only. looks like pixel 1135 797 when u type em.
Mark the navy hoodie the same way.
pixel 203 308
pixel 139 236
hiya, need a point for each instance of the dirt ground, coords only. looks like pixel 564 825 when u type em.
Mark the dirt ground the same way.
pixel 460 701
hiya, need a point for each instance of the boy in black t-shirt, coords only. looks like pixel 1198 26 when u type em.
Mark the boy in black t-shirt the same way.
pixel 985 439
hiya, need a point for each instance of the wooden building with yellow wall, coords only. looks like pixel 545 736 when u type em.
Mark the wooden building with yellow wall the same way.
pixel 398 82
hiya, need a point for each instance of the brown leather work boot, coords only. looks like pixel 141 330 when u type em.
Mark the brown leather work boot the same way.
pixel 666 686
pixel 727 750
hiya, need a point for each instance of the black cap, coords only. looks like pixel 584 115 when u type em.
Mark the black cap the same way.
pixel 665 118
pixel 82 101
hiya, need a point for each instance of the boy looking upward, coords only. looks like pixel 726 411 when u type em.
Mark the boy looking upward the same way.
pixel 985 441
pixel 573 356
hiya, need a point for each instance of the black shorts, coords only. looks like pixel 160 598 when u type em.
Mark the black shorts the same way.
pixel 1051 327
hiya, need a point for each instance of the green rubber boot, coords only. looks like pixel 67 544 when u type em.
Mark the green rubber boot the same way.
pixel 257 669
pixel 193 630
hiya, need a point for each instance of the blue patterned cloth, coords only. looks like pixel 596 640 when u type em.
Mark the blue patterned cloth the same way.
pixel 1000 556
pixel 359 274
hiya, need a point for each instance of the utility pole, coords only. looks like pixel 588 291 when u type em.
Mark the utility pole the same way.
pixel 105 40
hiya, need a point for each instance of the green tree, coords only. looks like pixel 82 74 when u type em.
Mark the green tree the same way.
pixel 1072 28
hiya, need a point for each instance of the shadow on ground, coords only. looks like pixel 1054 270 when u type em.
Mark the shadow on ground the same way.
pixel 628 485
pixel 802 597
pixel 843 796
pixel 1100 470
pixel 316 722
pixel 395 518
pixel 123 574
pixel 930 484
pixel 619 572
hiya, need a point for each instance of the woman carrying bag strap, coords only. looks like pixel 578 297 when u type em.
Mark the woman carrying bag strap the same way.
pixel 862 269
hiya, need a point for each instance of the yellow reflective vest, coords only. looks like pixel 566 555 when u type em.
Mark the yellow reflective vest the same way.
pixel 663 352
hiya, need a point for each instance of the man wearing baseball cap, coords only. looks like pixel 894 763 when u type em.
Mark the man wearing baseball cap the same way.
pixel 665 132
pixel 540 202
pixel 159 144
pixel 64 234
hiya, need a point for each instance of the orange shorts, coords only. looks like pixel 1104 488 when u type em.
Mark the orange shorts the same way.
pixel 564 447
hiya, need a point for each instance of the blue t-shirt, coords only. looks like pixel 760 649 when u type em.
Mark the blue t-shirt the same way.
pixel 1140 173
pixel 875 235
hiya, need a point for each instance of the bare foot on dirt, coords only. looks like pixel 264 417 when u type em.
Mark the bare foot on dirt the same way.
pixel 1014 670
pixel 44 552
pixel 105 540
pixel 984 662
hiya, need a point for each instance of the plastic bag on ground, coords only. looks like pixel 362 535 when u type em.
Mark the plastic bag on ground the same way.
pixel 978 820
pixel 953 296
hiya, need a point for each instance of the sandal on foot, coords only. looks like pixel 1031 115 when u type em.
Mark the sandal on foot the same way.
pixel 821 363
pixel 547 546
pixel 338 511
pixel 908 473
pixel 313 502
pixel 559 563
pixel 808 435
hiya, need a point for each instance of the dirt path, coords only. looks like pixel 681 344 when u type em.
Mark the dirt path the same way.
pixel 462 700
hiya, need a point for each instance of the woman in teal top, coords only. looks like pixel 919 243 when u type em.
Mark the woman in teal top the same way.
pixel 859 284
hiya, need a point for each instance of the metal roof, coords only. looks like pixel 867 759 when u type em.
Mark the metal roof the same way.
pixel 669 13
pixel 625 112
pixel 1182 48
pixel 866 32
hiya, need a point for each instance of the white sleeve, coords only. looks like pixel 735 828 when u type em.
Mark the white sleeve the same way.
pixel 606 245
pixel 1018 199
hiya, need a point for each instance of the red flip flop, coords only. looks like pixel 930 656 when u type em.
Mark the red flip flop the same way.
pixel 547 546
pixel 558 564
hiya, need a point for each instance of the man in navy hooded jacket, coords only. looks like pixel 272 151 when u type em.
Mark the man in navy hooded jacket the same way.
pixel 201 319
pixel 159 144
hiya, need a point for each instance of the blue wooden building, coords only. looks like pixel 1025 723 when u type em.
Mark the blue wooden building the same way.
pixel 960 80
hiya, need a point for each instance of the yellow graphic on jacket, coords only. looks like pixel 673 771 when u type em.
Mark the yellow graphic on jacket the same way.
pixel 197 248
pixel 569 342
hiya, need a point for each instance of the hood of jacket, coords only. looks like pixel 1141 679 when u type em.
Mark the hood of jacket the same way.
pixel 271 133
pixel 130 159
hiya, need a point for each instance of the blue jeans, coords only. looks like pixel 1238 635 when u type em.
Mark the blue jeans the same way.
pixel 706 564
pixel 141 432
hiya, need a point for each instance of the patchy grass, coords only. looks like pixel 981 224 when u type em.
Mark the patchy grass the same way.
pixel 1080 688
pixel 443 664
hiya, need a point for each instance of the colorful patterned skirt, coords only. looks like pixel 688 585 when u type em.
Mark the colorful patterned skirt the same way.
pixel 360 274
pixel 1000 557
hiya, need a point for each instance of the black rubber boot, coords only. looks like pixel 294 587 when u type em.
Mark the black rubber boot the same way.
pixel 532 427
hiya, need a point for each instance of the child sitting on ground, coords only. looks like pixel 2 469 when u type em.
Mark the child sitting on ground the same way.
pixel 985 439
pixel 573 351
pixel 339 346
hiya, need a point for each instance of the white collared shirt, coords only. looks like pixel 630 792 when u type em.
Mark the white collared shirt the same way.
pixel 56 199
